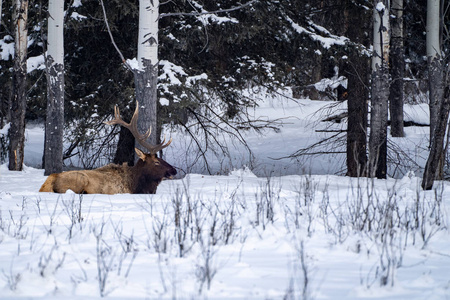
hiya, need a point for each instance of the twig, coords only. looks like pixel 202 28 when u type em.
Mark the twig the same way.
pixel 208 12
pixel 112 39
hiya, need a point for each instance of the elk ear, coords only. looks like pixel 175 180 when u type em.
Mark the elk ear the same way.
pixel 140 153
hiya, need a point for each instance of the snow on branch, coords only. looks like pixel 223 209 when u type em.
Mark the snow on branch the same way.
pixel 204 12
pixel 326 41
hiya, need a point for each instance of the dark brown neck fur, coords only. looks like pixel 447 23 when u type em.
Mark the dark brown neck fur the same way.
pixel 142 181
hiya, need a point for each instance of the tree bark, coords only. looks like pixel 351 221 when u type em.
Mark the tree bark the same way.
pixel 18 103
pixel 147 75
pixel 357 114
pixel 439 103
pixel 397 69
pixel 380 92
pixel 356 69
pixel 54 123
pixel 435 74
pixel 437 146
pixel 125 147
pixel 1 9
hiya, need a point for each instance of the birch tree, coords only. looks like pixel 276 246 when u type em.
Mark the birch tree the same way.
pixel 435 65
pixel 380 91
pixel 147 74
pixel 397 67
pixel 54 124
pixel 439 104
pixel 18 103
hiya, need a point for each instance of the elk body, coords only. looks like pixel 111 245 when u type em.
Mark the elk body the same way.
pixel 143 178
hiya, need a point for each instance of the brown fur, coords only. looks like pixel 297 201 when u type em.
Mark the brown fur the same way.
pixel 143 178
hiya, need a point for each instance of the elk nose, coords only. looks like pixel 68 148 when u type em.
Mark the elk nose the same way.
pixel 171 172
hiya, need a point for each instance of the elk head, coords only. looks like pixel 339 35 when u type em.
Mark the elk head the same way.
pixel 150 169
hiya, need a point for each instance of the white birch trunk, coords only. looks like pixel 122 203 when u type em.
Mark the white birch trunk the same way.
pixel 439 103
pixel 18 103
pixel 380 91
pixel 380 34
pixel 147 75
pixel 435 72
pixel 433 26
pixel 55 41
pixel 54 125
pixel 397 68
pixel 148 31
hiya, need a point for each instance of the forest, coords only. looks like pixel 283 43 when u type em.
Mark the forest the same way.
pixel 304 145
pixel 207 55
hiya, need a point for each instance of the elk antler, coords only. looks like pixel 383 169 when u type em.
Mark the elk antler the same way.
pixel 132 126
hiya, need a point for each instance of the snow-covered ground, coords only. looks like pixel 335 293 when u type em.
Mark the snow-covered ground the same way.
pixel 292 231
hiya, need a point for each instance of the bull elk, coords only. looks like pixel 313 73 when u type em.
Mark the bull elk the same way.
pixel 143 178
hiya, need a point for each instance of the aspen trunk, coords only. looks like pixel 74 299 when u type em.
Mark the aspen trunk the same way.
pixel 435 70
pixel 147 75
pixel 436 150
pixel 18 103
pixel 439 103
pixel 380 92
pixel 54 123
pixel 397 69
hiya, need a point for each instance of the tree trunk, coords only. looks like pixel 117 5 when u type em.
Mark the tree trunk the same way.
pixel 380 92
pixel 1 9
pixel 357 114
pixel 54 123
pixel 397 69
pixel 125 147
pixel 18 105
pixel 436 150
pixel 439 104
pixel 147 75
pixel 356 69
pixel 435 70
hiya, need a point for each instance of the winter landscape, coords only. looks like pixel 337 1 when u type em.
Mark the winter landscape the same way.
pixel 301 131
pixel 268 229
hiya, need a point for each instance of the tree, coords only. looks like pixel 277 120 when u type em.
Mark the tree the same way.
pixel 1 9
pixel 54 123
pixel 397 68
pixel 439 103
pixel 146 76
pixel 356 69
pixel 435 64
pixel 380 91
pixel 18 105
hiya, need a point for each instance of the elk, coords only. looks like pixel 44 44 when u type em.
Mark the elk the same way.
pixel 143 178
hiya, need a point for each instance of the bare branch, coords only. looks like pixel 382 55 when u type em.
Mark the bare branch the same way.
pixel 112 38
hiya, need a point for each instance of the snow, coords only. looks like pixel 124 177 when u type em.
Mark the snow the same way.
pixel 171 72
pixel 6 47
pixel 238 235
pixel 332 83
pixel 327 41
pixel 35 63
pixel 380 7
pixel 76 16
pixel 76 3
